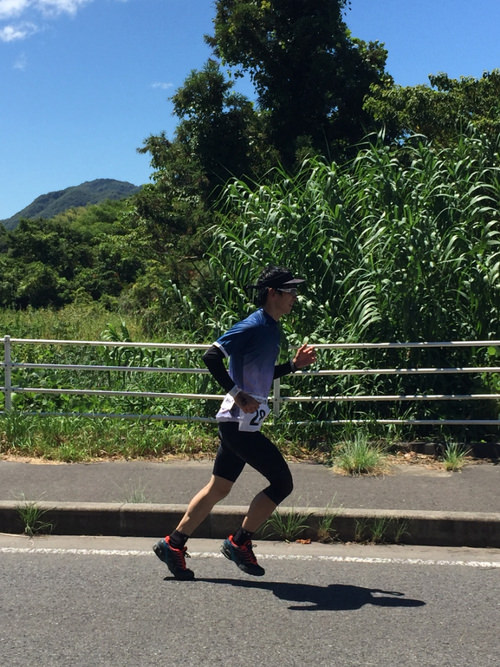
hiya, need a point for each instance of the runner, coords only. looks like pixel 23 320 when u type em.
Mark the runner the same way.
pixel 252 347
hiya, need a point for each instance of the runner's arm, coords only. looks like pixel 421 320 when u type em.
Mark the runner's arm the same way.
pixel 214 361
pixel 284 369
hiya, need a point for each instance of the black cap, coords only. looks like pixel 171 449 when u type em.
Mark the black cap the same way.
pixel 278 278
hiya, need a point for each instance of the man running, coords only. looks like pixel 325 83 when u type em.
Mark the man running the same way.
pixel 252 347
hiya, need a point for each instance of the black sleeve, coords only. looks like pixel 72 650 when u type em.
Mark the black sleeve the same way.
pixel 283 369
pixel 214 361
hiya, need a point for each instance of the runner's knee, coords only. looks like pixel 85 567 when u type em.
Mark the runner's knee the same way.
pixel 218 487
pixel 280 488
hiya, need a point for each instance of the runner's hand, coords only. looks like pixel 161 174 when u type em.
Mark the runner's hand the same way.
pixel 246 402
pixel 305 356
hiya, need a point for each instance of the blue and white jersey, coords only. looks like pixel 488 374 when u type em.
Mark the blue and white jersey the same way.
pixel 252 346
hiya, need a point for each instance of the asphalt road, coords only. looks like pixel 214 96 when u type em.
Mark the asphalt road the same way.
pixel 109 601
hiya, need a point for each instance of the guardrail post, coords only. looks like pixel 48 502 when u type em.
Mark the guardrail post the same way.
pixel 8 373
pixel 276 397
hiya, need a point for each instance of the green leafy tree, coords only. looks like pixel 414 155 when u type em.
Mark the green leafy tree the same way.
pixel 54 244
pixel 3 239
pixel 95 219
pixel 439 111
pixel 8 280
pixel 215 140
pixel 216 124
pixel 170 210
pixel 40 286
pixel 87 249
pixel 310 75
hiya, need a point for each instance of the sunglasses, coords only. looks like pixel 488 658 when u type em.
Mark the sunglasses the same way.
pixel 287 290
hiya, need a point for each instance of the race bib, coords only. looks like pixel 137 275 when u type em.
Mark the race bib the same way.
pixel 252 421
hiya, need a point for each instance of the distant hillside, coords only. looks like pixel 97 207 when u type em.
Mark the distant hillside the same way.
pixel 90 192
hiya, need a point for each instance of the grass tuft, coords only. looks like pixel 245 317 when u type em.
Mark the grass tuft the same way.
pixel 381 530
pixel 454 456
pixel 326 531
pixel 31 515
pixel 287 526
pixel 358 456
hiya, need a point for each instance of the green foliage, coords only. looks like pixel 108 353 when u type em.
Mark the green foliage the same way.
pixel 92 381
pixel 31 515
pixel 285 525
pixel 402 245
pixel 326 531
pixel 454 455
pixel 81 320
pixel 216 124
pixel 358 456
pixel 77 439
pixel 381 530
pixel 3 239
pixel 309 74
pixel 39 286
pixel 439 111
pixel 82 251
pixel 94 219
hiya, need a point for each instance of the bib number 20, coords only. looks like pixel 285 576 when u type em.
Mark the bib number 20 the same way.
pixel 253 421
pixel 258 417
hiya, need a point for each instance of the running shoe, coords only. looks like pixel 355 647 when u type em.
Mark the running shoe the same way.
pixel 242 555
pixel 175 559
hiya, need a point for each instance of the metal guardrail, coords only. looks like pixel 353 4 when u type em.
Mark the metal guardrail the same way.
pixel 278 399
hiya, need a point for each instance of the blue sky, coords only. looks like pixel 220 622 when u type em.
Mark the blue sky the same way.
pixel 84 82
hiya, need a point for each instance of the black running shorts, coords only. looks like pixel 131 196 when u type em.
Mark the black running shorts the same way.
pixel 238 448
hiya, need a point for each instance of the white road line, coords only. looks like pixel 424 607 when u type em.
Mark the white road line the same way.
pixel 303 557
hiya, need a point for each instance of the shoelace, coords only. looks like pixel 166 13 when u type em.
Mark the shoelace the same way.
pixel 180 556
pixel 247 552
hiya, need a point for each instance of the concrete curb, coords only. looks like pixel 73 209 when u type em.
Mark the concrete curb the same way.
pixel 457 529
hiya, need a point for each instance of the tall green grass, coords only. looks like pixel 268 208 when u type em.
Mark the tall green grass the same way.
pixel 87 322
pixel 82 320
pixel 403 244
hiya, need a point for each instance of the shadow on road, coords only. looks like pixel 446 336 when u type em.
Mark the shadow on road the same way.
pixel 335 597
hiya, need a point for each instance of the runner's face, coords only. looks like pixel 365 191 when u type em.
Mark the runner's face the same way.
pixel 287 297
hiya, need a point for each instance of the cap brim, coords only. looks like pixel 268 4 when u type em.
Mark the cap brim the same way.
pixel 294 281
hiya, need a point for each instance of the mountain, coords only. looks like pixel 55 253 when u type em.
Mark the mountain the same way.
pixel 90 192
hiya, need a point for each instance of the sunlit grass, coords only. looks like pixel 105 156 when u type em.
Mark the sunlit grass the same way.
pixel 454 456
pixel 284 525
pixel 77 321
pixel 32 518
pixel 358 456
pixel 75 439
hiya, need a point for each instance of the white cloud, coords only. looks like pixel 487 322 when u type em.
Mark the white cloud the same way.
pixel 12 8
pixel 12 33
pixel 162 85
pixel 55 7
pixel 28 11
